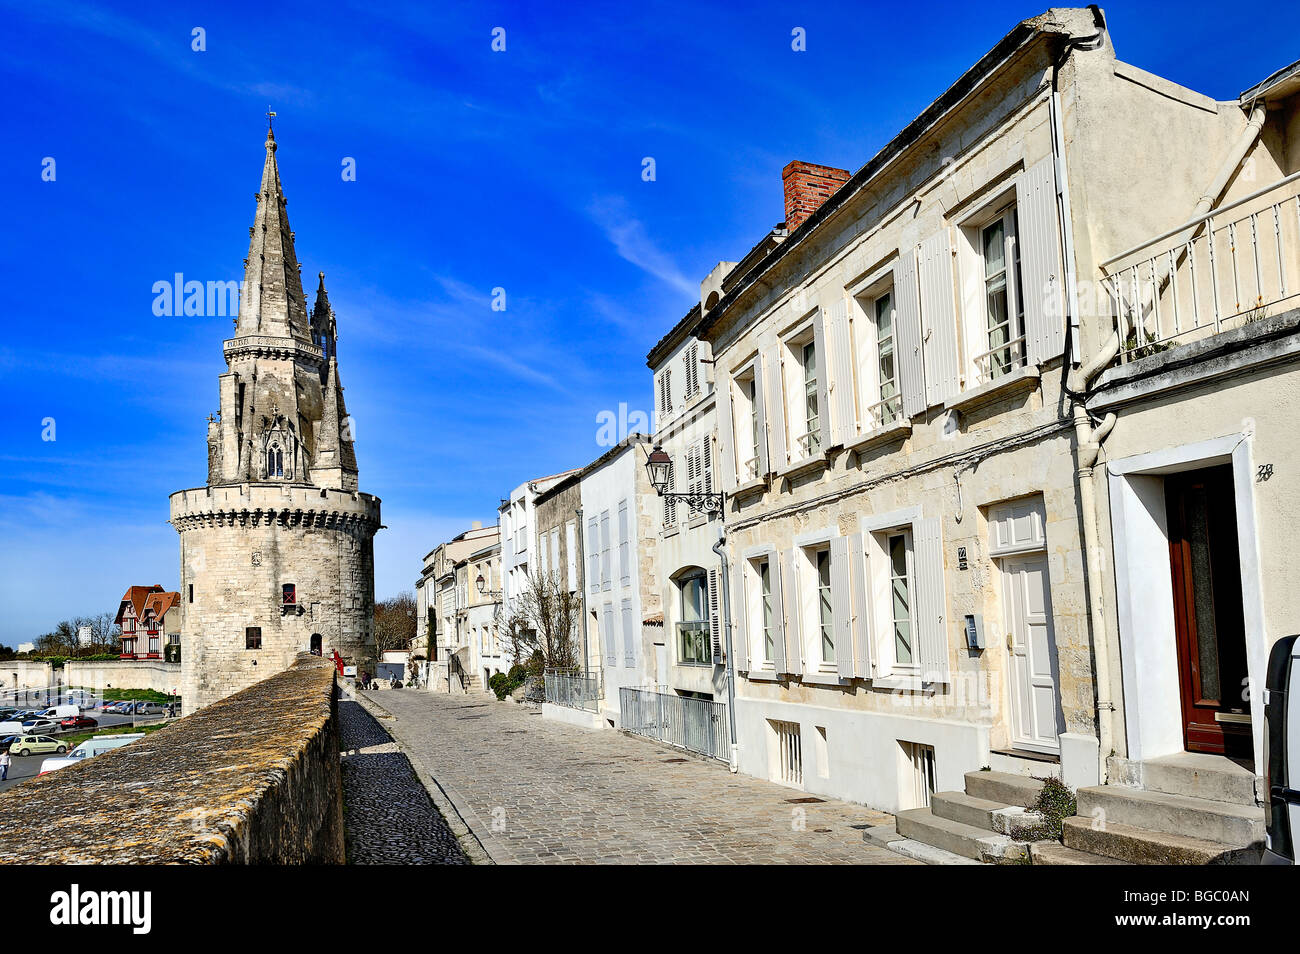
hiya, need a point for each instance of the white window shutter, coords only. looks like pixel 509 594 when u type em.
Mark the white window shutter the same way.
pixel 793 629
pixel 774 399
pixel 938 318
pixel 726 444
pixel 911 369
pixel 629 635
pixel 760 408
pixel 606 571
pixel 668 390
pixel 624 545
pixel 861 606
pixel 611 640
pixel 706 463
pixel 670 504
pixel 841 607
pixel 1040 261
pixel 931 599
pixel 739 610
pixel 593 556
pixel 839 362
pixel 825 418
pixel 715 618
pixel 778 612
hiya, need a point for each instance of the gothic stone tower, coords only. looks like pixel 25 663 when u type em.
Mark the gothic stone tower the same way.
pixel 277 551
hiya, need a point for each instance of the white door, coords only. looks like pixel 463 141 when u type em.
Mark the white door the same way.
pixel 1031 646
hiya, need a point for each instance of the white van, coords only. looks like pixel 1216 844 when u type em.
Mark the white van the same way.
pixel 91 747
pixel 61 712
pixel 11 728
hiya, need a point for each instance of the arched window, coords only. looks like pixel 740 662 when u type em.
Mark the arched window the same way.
pixel 315 644
pixel 274 461
pixel 693 639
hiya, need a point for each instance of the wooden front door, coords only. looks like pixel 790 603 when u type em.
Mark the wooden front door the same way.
pixel 1031 647
pixel 1206 570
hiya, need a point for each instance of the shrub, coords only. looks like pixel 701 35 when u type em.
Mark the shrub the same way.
pixel 1055 802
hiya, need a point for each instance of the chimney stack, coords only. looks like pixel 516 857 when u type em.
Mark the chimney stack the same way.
pixel 807 186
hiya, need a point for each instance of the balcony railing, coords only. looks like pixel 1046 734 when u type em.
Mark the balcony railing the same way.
pixel 1000 360
pixel 1221 270
pixel 573 689
pixel 697 725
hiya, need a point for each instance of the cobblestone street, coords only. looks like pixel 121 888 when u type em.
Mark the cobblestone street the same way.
pixel 388 818
pixel 538 791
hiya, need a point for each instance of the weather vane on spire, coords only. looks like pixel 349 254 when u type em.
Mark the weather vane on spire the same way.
pixel 270 117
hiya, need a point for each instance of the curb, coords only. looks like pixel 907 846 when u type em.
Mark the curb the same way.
pixel 461 819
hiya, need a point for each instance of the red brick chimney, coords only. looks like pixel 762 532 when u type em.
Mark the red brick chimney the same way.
pixel 807 186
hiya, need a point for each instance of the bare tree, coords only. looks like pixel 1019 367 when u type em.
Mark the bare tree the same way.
pixel 544 624
pixel 394 624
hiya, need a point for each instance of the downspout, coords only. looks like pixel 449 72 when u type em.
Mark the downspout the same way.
pixel 720 549
pixel 1088 439
pixel 582 563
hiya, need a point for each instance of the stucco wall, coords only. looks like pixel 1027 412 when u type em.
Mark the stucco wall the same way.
pixel 197 792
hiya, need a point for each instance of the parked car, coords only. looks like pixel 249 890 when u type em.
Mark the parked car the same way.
pixel 150 708
pixel 80 722
pixel 40 725
pixel 36 745
pixel 7 741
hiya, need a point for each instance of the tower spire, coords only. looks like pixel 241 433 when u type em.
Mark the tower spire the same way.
pixel 273 302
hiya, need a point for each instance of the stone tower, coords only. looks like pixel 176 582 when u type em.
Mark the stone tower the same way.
pixel 277 551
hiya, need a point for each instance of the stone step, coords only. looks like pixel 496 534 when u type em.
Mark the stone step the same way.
pixel 1054 853
pixel 886 836
pixel 921 824
pixel 1200 818
pixel 1201 776
pixel 1004 788
pixel 967 809
pixel 1141 846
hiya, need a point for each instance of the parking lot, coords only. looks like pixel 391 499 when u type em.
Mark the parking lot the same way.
pixel 26 767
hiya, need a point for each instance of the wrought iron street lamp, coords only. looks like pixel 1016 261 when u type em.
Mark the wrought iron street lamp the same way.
pixel 659 467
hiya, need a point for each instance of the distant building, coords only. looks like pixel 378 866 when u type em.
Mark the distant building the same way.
pixel 146 626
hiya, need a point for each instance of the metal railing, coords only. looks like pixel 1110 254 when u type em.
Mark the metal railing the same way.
pixel 697 725
pixel 1002 359
pixel 1218 271
pixel 573 689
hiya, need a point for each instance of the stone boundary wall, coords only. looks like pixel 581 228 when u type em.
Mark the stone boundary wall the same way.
pixel 254 778
pixel 25 674
pixel 122 674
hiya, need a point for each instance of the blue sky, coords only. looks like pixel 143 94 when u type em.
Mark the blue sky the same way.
pixel 475 170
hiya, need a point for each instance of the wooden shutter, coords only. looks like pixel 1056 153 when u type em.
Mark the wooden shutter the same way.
pixel 726 443
pixel 938 318
pixel 824 416
pixel 706 464
pixel 907 328
pixel 861 582
pixel 715 618
pixel 593 556
pixel 1040 261
pixel 774 399
pixel 668 390
pixel 611 642
pixel 793 629
pixel 760 408
pixel 606 572
pixel 839 362
pixel 778 610
pixel 931 600
pixel 670 504
pixel 739 610
pixel 841 607
pixel 624 546
pixel 629 635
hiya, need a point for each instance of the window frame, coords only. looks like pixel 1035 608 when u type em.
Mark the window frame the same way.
pixel 1001 208
pixel 794 346
pixel 703 623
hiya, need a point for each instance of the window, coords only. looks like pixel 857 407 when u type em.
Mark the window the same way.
pixel 191 592
pixel 764 567
pixel 693 626
pixel 289 595
pixel 890 403
pixel 898 547
pixel 665 392
pixel 918 781
pixel 825 621
pixel 811 439
pixel 1004 314
pixel 699 470
pixel 571 554
pixel 153 645
pixel 789 752
pixel 253 637
pixel 274 461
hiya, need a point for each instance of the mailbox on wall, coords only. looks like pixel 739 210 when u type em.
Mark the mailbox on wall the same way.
pixel 974 631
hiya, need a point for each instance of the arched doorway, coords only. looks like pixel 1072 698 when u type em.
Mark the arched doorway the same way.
pixel 315 644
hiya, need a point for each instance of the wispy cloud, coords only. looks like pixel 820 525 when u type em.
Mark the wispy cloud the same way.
pixel 628 235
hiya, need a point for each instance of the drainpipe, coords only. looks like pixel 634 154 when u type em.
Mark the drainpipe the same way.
pixel 1088 439
pixel 720 549
pixel 581 559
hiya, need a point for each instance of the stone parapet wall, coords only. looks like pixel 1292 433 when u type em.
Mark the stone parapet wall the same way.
pixel 124 674
pixel 252 779
pixel 286 504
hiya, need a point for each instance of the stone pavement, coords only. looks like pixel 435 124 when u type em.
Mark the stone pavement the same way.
pixel 537 791
pixel 388 818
